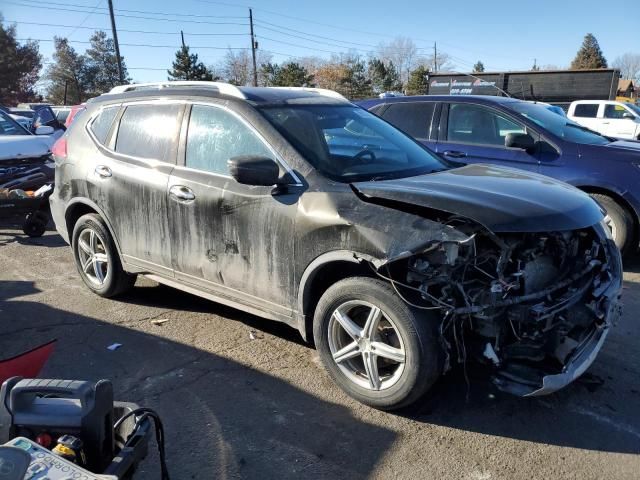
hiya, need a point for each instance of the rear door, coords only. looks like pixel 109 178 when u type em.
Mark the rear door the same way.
pixel 413 118
pixel 472 133
pixel 130 178
pixel 615 125
pixel 234 240
pixel 589 115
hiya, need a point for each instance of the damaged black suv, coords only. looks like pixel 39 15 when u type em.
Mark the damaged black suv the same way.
pixel 298 206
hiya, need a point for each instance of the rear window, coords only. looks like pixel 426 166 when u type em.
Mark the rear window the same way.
pixel 102 123
pixel 412 118
pixel 149 131
pixel 586 110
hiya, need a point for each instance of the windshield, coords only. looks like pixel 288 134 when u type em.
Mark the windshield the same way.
pixel 558 125
pixel 349 144
pixel 633 107
pixel 8 126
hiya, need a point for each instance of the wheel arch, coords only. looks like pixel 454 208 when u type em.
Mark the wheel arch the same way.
pixel 82 206
pixel 319 275
pixel 620 200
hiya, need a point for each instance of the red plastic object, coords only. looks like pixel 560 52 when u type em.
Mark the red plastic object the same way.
pixel 27 364
pixel 44 439
pixel 59 148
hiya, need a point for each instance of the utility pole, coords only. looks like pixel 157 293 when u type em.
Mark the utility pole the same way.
pixel 435 57
pixel 65 92
pixel 115 42
pixel 254 45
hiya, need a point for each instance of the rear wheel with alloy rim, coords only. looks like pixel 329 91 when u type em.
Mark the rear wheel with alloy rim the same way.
pixel 378 349
pixel 97 258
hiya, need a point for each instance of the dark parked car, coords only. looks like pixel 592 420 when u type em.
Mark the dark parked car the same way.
pixel 520 134
pixel 299 206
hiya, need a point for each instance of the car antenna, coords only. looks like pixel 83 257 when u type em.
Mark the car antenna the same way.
pixel 533 96
pixel 478 78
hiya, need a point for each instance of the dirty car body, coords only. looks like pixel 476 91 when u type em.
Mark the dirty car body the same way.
pixel 509 268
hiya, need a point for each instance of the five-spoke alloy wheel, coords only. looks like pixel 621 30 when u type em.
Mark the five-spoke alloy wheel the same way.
pixel 378 349
pixel 97 257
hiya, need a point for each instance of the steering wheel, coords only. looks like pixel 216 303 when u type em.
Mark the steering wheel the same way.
pixel 365 153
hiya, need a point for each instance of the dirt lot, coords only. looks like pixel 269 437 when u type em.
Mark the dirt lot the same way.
pixel 242 397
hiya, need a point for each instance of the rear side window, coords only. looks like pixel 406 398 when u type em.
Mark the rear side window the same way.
pixel 102 123
pixel 412 118
pixel 586 110
pixel 149 131
pixel 215 136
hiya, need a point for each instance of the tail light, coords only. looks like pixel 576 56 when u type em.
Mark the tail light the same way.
pixel 59 148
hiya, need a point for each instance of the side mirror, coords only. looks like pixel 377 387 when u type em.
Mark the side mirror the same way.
pixel 44 130
pixel 254 170
pixel 523 141
pixel 629 116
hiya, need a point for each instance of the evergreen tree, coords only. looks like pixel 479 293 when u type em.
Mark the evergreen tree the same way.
pixel 19 68
pixel 289 74
pixel 478 67
pixel 417 84
pixel 68 70
pixel 355 82
pixel 589 55
pixel 102 66
pixel 383 77
pixel 187 67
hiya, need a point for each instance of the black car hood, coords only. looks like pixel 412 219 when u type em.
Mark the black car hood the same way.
pixel 502 199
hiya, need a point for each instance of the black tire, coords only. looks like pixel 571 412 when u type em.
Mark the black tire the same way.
pixel 35 224
pixel 417 329
pixel 116 280
pixel 622 221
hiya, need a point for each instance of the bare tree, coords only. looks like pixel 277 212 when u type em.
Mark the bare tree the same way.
pixel 629 65
pixel 442 62
pixel 237 68
pixel 403 53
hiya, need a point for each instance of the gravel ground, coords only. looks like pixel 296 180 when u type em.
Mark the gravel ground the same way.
pixel 243 397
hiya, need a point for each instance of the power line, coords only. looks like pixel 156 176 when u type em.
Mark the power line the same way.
pixel 150 12
pixel 122 30
pixel 84 19
pixel 129 16
pixel 139 44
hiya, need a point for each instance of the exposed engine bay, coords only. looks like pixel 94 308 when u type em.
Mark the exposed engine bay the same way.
pixel 529 305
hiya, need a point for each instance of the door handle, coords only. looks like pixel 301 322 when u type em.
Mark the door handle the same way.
pixel 103 171
pixel 454 154
pixel 182 193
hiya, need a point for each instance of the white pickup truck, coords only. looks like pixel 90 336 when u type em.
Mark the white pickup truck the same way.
pixel 608 117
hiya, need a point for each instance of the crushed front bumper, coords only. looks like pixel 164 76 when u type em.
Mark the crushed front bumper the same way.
pixel 584 354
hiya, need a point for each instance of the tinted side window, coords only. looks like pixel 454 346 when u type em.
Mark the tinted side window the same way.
pixel 586 110
pixel 614 111
pixel 215 136
pixel 149 131
pixel 102 123
pixel 412 118
pixel 476 124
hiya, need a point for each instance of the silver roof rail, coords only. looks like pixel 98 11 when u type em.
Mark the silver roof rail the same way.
pixel 224 88
pixel 320 91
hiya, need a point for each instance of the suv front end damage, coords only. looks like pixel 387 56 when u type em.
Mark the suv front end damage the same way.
pixel 535 307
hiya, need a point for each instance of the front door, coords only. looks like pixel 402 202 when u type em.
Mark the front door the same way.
pixel 234 240
pixel 471 133
pixel 616 124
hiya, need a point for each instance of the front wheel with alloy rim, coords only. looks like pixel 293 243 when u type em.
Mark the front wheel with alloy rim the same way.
pixel 619 221
pixel 97 259
pixel 377 348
